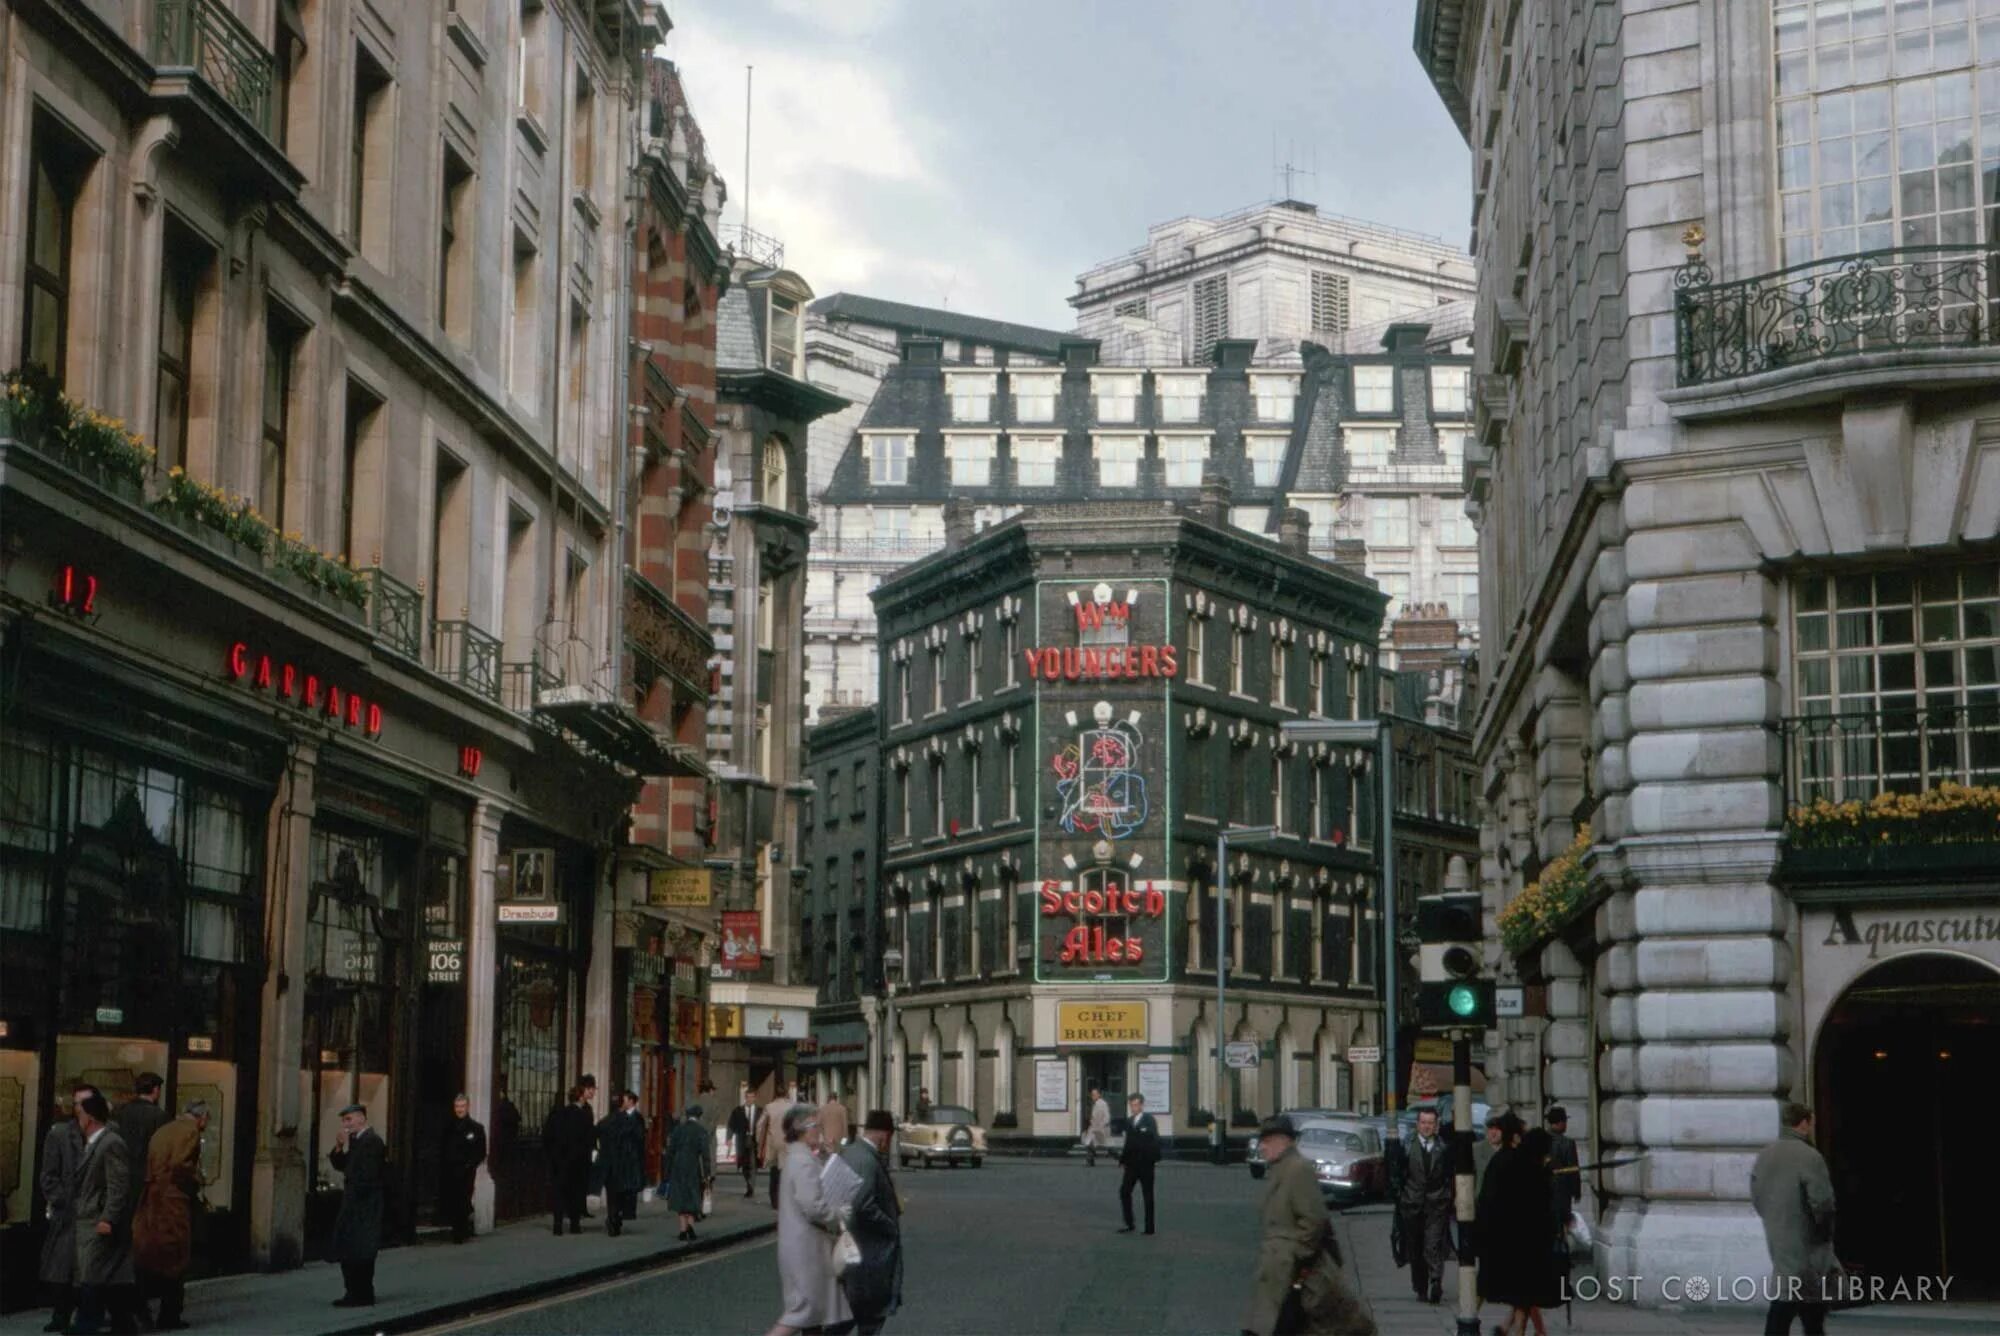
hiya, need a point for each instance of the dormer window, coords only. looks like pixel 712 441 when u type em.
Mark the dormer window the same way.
pixel 888 459
pixel 971 397
pixel 1117 398
pixel 1274 396
pixel 1448 391
pixel 777 473
pixel 971 457
pixel 785 334
pixel 1035 395
pixel 1118 460
pixel 1180 397
pixel 1267 457
pixel 1375 389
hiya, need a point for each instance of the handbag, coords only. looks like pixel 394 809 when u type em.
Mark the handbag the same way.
pixel 707 1199
pixel 846 1252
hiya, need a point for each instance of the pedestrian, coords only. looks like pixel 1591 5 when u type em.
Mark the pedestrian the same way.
pixel 589 1084
pixel 1141 1153
pixel 105 1196
pixel 689 1168
pixel 807 1225
pixel 1299 1285
pixel 163 1228
pixel 464 1151
pixel 833 1125
pixel 506 1124
pixel 358 1155
pixel 1484 1149
pixel 1565 1181
pixel 62 1156
pixel 742 1124
pixel 771 1137
pixel 138 1118
pixel 566 1140
pixel 1518 1229
pixel 874 1218
pixel 1794 1198
pixel 923 1104
pixel 1096 1128
pixel 1423 1194
pixel 621 1161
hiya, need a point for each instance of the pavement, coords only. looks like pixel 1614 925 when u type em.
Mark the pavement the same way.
pixel 1018 1246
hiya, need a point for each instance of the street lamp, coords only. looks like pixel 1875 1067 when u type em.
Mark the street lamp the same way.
pixel 1240 835
pixel 1361 733
pixel 892 966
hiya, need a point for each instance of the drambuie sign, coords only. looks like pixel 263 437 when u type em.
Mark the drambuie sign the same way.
pixel 1117 1023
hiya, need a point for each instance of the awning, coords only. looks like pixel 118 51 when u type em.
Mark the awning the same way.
pixel 614 732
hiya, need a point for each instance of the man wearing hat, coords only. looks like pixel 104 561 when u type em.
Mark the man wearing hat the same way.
pixel 1567 1183
pixel 1298 1249
pixel 874 1285
pixel 358 1156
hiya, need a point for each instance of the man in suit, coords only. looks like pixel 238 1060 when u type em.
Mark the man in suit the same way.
pixel 771 1135
pixel 62 1156
pixel 464 1150
pixel 1141 1153
pixel 874 1285
pixel 1423 1190
pixel 138 1118
pixel 742 1122
pixel 106 1194
pixel 566 1140
pixel 621 1159
pixel 359 1157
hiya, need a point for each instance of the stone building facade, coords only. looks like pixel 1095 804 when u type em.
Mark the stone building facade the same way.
pixel 1280 274
pixel 759 1010
pixel 1074 703
pixel 1735 484
pixel 853 345
pixel 840 906
pixel 317 764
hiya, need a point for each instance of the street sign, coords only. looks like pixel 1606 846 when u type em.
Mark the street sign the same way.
pixel 447 959
pixel 1370 1054
pixel 1510 1001
pixel 1240 1053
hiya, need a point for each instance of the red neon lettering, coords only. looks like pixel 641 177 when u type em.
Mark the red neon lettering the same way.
pixel 333 702
pixel 353 710
pixel 1149 660
pixel 1052 905
pixel 1052 663
pixel 89 594
pixel 1156 900
pixel 312 692
pixel 1071 665
pixel 1034 663
pixel 290 679
pixel 239 660
pixel 1135 665
pixel 374 718
pixel 263 671
pixel 1169 666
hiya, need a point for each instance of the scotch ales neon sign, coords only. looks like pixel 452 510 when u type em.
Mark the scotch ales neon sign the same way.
pixel 287 681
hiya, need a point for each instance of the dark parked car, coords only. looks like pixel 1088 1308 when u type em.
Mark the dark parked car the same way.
pixel 1254 1155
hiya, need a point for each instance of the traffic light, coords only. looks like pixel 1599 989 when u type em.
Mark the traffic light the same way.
pixel 1450 993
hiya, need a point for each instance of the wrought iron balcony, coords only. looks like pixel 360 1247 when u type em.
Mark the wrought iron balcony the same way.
pixel 1838 306
pixel 396 614
pixel 521 685
pixel 1854 756
pixel 202 35
pixel 464 654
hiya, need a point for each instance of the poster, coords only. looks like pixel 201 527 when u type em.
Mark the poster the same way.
pixel 1157 1086
pixel 1051 1085
pixel 742 930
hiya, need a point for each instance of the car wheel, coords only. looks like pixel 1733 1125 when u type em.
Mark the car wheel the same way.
pixel 977 1161
pixel 906 1161
pixel 1256 1171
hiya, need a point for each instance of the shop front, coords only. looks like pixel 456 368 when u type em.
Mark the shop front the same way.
pixel 833 1057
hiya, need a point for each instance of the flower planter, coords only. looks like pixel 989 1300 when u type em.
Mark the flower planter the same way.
pixel 1891 860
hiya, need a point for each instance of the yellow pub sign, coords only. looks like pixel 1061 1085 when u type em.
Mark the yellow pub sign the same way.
pixel 1101 1023
pixel 725 1022
pixel 679 888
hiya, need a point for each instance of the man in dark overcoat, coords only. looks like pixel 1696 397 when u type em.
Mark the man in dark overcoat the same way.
pixel 874 1285
pixel 463 1152
pixel 139 1117
pixel 1141 1154
pixel 742 1121
pixel 106 1194
pixel 621 1160
pixel 361 1159
pixel 566 1139
pixel 62 1156
pixel 1423 1181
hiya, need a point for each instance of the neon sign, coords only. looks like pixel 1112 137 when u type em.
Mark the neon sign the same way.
pixel 74 591
pixel 287 681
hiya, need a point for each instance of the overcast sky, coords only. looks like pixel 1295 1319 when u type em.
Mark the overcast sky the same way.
pixel 979 154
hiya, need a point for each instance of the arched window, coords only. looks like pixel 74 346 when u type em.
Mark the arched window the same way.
pixel 777 470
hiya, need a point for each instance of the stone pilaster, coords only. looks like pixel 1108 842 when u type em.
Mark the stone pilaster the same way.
pixel 278 1177
pixel 482 976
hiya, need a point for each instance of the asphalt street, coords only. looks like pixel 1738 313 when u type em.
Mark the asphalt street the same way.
pixel 1014 1246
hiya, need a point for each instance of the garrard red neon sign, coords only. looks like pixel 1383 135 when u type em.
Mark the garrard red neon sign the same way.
pixel 287 681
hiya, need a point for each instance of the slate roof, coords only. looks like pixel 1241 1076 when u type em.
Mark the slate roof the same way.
pixel 738 341
pixel 927 320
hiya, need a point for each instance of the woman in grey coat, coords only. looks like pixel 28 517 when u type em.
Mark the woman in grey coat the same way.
pixel 807 1225
pixel 689 1169
pixel 62 1154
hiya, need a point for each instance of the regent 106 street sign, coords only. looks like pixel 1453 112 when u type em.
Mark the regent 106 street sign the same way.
pixel 1100 660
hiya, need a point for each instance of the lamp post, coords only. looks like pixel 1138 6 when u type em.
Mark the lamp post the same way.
pixel 1240 835
pixel 892 966
pixel 1359 733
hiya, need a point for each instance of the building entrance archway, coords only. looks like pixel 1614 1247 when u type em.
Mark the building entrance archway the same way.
pixel 1905 1067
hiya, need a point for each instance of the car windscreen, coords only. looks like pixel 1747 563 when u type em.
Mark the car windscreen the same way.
pixel 950 1113
pixel 1329 1139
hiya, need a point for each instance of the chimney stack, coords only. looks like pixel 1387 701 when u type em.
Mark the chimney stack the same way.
pixel 1212 503
pixel 957 523
pixel 1294 529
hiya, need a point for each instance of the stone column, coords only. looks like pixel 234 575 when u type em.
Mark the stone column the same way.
pixel 482 978
pixel 278 1177
pixel 1695 971
pixel 595 992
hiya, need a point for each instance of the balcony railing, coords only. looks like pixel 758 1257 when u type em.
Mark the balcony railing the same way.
pixel 464 654
pixel 521 684
pixel 396 614
pixel 202 35
pixel 1856 755
pixel 1875 301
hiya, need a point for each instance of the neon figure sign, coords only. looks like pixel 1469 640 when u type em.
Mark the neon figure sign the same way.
pixel 287 681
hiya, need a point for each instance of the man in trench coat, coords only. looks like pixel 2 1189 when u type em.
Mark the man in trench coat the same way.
pixel 1297 1248
pixel 105 1193
pixel 163 1229
pixel 621 1160
pixel 874 1216
pixel 62 1156
pixel 1793 1194
pixel 359 1156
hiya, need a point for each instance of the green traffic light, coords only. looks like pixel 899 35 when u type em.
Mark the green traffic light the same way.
pixel 1463 1000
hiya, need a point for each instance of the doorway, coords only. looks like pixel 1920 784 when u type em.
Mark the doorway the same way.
pixel 1102 1069
pixel 1908 1060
